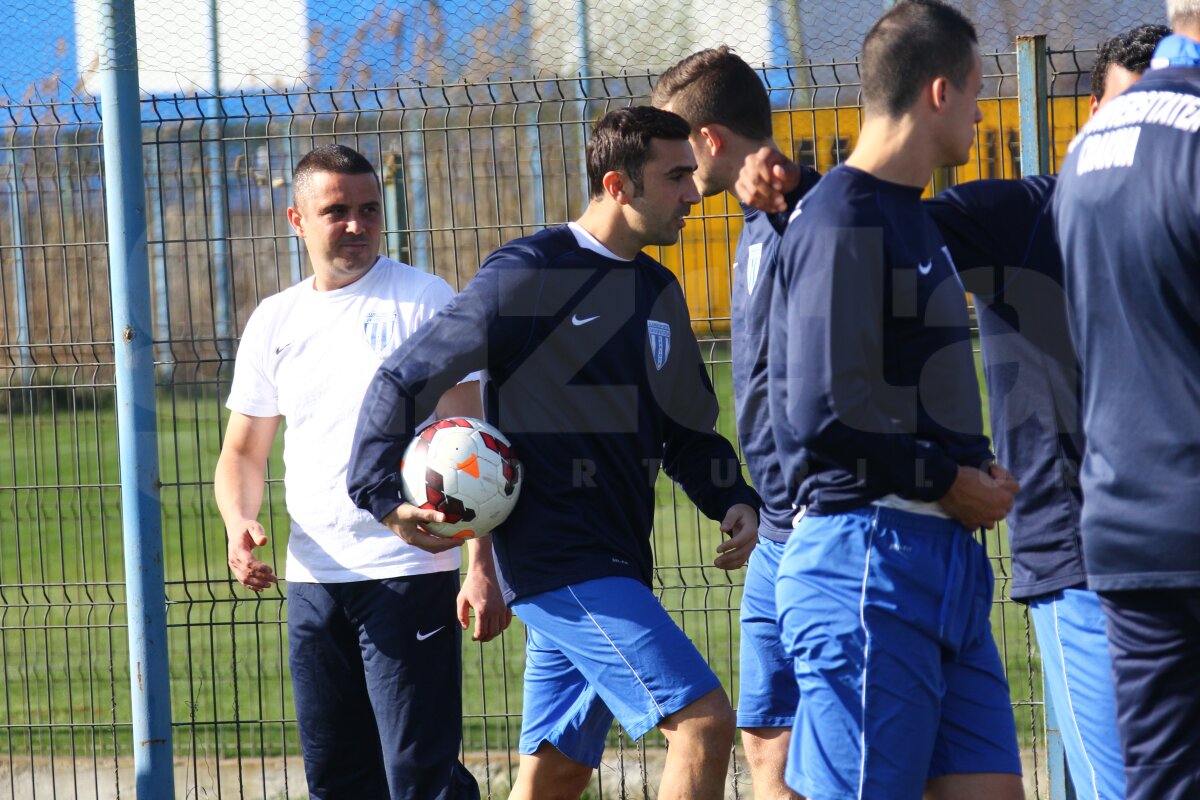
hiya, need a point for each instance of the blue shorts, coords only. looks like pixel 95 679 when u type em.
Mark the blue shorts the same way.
pixel 767 693
pixel 886 615
pixel 1078 674
pixel 597 649
pixel 1154 641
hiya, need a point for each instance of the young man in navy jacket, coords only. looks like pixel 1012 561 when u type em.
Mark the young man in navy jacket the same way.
pixel 884 595
pixel 596 376
pixel 727 106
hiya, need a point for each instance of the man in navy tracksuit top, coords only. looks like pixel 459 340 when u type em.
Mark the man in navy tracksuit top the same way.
pixel 598 380
pixel 883 593
pixel 1127 211
pixel 727 106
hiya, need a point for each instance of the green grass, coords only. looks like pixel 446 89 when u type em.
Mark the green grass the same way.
pixel 63 645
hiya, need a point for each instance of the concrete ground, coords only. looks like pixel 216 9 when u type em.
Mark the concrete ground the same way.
pixel 280 779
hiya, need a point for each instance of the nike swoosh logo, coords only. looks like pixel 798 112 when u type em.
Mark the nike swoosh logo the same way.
pixel 575 320
pixel 282 347
pixel 925 268
pixel 423 636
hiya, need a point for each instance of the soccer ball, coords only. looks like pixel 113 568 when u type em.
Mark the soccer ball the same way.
pixel 466 469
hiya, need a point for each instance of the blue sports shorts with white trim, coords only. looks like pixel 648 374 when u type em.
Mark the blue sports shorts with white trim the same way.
pixel 597 649
pixel 1078 675
pixel 767 692
pixel 885 613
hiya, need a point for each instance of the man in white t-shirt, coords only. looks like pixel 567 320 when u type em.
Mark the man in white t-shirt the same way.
pixel 374 648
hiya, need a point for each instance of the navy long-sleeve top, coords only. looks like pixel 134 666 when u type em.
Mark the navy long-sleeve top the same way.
pixel 873 388
pixel 597 379
pixel 1001 235
pixel 750 310
pixel 1127 211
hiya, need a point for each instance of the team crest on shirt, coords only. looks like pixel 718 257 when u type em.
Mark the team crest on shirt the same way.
pixel 754 261
pixel 380 329
pixel 660 341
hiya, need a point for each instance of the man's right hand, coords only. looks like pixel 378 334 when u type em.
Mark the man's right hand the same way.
pixel 249 571
pixel 980 499
pixel 405 521
pixel 766 176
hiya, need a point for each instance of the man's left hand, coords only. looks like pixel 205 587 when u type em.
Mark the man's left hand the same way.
pixel 481 591
pixel 741 523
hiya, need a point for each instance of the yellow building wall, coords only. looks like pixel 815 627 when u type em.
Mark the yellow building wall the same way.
pixel 703 258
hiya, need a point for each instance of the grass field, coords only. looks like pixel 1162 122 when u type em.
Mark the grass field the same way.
pixel 63 644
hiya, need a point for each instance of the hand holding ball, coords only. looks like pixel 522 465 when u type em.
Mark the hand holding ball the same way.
pixel 467 470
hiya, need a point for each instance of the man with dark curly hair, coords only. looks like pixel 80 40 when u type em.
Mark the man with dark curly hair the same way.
pixel 1121 61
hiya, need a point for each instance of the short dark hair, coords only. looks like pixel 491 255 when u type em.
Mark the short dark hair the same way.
pixel 716 86
pixel 915 42
pixel 621 142
pixel 336 158
pixel 1131 50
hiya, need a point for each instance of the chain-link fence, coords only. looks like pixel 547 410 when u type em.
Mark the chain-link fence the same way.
pixel 475 115
pixel 205 46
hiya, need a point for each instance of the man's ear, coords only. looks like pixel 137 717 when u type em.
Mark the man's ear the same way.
pixel 714 139
pixel 296 220
pixel 938 93
pixel 1093 105
pixel 617 187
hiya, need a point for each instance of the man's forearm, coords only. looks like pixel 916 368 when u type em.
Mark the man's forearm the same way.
pixel 480 556
pixel 239 485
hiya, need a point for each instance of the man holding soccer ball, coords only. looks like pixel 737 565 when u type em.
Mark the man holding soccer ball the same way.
pixel 368 614
pixel 596 377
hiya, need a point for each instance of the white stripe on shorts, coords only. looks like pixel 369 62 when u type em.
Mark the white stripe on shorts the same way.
pixel 617 650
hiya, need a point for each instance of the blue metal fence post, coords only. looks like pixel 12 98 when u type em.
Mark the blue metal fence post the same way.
pixel 219 233
pixel 25 375
pixel 396 216
pixel 295 257
pixel 1032 105
pixel 125 196
pixel 533 146
pixel 420 240
pixel 162 313
pixel 1061 787
pixel 583 47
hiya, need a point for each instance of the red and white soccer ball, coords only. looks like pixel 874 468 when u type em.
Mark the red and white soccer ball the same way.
pixel 466 469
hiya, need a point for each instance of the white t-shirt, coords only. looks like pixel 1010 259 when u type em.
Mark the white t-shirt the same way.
pixel 588 242
pixel 309 356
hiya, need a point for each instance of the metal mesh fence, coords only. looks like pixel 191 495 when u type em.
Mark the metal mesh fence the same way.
pixel 479 145
pixel 205 46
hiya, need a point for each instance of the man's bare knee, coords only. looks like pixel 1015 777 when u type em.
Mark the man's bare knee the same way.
pixel 707 722
pixel 976 786
pixel 766 753
pixel 766 746
pixel 549 774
